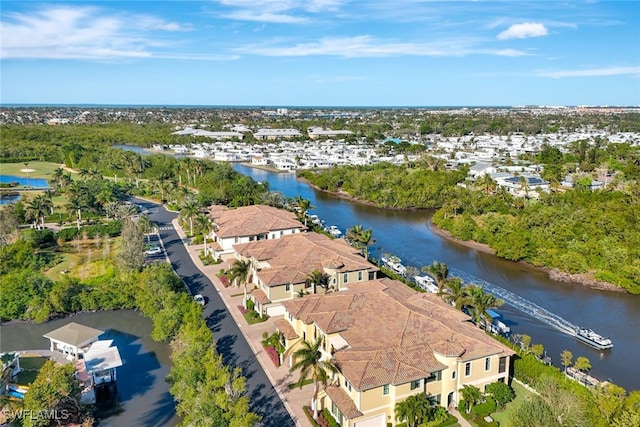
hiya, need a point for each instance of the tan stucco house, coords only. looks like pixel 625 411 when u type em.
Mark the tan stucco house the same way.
pixel 390 342
pixel 280 268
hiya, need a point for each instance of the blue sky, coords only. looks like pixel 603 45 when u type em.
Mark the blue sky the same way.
pixel 321 52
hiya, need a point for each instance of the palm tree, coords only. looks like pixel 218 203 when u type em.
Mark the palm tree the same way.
pixel 126 211
pixel 454 293
pixel 440 271
pixel 471 396
pixel 204 225
pixel 415 409
pixel 303 206
pixel 354 235
pixel 309 362
pixel 111 209
pixel 37 209
pixel 238 275
pixel 189 211
pixel 74 207
pixel 481 302
pixel 366 240
pixel 318 278
pixel 524 185
pixel 487 183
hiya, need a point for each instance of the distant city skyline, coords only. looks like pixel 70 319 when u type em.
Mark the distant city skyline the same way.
pixel 320 53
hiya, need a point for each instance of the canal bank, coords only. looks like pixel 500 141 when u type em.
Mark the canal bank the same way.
pixel 539 306
pixel 143 393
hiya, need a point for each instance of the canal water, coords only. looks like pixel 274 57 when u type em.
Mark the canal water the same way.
pixel 545 309
pixel 143 394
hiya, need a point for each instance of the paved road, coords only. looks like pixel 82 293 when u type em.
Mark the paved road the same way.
pixel 231 344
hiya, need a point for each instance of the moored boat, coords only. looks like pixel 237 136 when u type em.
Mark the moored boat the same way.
pixel 427 283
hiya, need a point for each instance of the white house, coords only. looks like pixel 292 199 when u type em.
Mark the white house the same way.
pixel 248 223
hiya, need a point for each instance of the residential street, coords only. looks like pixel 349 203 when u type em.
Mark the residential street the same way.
pixel 231 344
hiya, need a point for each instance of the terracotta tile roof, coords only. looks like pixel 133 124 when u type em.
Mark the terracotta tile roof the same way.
pixel 343 402
pixel 287 330
pixel 252 220
pixel 393 332
pixel 260 296
pixel 293 257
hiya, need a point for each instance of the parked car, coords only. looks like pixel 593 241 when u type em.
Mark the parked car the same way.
pixel 199 299
pixel 153 250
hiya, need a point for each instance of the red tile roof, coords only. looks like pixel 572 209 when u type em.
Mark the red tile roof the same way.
pixel 393 332
pixel 252 220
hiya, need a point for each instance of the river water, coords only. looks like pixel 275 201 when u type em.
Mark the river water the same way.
pixel 545 309
pixel 143 393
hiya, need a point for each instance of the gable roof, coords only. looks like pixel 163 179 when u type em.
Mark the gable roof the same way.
pixel 252 220
pixel 293 257
pixel 74 334
pixel 393 333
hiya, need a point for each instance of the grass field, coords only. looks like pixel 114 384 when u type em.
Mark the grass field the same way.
pixel 40 169
pixel 522 394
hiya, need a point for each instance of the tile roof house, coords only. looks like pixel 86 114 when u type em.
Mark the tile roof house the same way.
pixel 280 268
pixel 72 339
pixel 249 223
pixel 390 342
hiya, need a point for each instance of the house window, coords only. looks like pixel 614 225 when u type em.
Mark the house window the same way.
pixel 359 276
pixel 453 375
pixel 287 287
pixel 235 240
pixel 251 238
pixel 273 236
pixel 415 384
pixel 502 366
pixel 281 233
pixel 385 389
pixel 467 369
pixel 487 364
pixel 437 398
pixel 347 384
pixel 345 278
pixel 435 376
pixel 336 413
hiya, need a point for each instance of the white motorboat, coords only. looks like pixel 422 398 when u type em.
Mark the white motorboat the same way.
pixel 593 339
pixel 427 283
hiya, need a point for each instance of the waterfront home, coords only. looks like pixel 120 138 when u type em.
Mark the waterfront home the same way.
pixel 280 269
pixel 72 339
pixel 248 223
pixel 388 343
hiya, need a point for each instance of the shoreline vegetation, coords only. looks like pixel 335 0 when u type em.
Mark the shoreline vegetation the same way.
pixel 581 279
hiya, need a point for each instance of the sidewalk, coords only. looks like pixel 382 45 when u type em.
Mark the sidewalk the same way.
pixel 280 377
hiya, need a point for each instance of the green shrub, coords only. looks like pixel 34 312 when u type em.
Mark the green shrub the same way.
pixel 484 409
pixel 331 422
pixel 250 305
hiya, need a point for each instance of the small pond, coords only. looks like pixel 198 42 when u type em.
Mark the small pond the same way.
pixel 143 394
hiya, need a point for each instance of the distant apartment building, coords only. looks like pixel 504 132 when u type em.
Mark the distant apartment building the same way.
pixel 213 135
pixel 390 342
pixel 318 132
pixel 247 224
pixel 273 134
pixel 281 268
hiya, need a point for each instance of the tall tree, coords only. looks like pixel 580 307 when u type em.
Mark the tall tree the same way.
pixel 471 395
pixel 440 271
pixel 302 206
pixel 239 274
pixel 318 278
pixel 311 365
pixel 131 255
pixel 414 410
pixel 189 211
pixel 566 358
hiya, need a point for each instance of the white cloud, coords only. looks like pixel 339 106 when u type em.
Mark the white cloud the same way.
pixel 592 72
pixel 524 30
pixel 277 11
pixel 369 46
pixel 277 18
pixel 64 32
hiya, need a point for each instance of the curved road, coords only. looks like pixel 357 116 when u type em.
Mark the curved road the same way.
pixel 230 342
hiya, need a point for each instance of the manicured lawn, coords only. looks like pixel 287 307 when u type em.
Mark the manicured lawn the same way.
pixel 522 394
pixel 84 262
pixel 32 362
pixel 253 317
pixel 40 169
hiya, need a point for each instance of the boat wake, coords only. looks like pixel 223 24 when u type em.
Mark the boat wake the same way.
pixel 520 303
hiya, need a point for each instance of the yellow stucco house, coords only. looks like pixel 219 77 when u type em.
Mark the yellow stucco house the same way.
pixel 280 267
pixel 390 342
